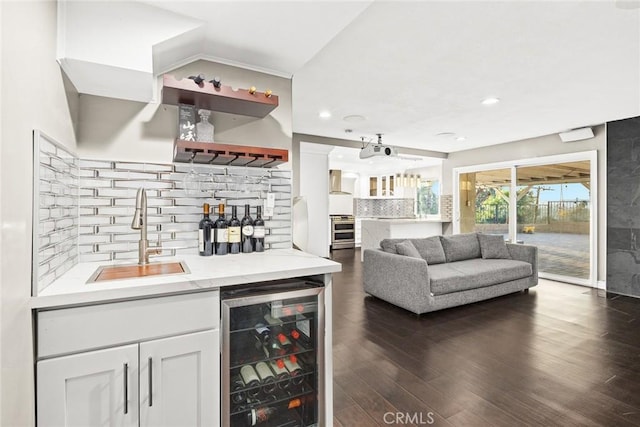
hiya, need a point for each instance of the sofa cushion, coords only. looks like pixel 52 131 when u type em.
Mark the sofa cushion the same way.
pixel 406 248
pixel 460 247
pixel 475 273
pixel 492 246
pixel 430 248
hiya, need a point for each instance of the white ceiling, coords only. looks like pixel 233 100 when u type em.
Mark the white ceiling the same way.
pixel 416 69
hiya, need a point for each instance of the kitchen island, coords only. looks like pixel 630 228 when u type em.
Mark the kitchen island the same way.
pixel 168 349
pixel 376 229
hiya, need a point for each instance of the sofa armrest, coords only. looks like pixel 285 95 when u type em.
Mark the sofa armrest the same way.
pixel 401 280
pixel 526 253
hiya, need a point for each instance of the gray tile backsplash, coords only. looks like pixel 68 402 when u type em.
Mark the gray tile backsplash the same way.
pixel 391 208
pixel 85 207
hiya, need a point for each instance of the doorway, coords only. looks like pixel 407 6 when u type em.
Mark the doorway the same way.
pixel 546 202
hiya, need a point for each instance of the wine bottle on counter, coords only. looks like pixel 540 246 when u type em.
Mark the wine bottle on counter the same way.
pixel 234 231
pixel 221 232
pixel 251 380
pixel 205 241
pixel 258 232
pixel 247 231
pixel 267 377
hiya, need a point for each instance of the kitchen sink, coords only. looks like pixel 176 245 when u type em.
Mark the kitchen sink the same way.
pixel 133 271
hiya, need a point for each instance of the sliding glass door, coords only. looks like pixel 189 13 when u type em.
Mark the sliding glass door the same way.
pixel 554 209
pixel 546 202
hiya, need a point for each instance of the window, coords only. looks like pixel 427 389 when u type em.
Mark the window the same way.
pixel 428 197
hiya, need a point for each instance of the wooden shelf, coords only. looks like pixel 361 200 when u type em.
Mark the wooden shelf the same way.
pixel 223 99
pixel 227 154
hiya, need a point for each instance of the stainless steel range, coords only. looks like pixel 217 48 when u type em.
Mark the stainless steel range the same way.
pixel 343 232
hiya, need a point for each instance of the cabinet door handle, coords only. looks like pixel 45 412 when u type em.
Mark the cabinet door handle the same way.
pixel 150 381
pixel 126 388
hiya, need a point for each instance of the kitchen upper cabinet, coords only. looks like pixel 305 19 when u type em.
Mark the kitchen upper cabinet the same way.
pixel 89 389
pixel 382 186
pixel 179 378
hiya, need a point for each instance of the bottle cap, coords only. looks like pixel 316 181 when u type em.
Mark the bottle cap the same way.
pixel 293 358
pixel 280 363
pixel 295 334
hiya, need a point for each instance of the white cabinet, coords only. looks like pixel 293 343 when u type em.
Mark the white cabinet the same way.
pixel 150 362
pixel 179 380
pixel 98 388
pixel 172 383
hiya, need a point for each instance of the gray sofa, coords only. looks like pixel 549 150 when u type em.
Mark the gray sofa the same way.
pixel 438 272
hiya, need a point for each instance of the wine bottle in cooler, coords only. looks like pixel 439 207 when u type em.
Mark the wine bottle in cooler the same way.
pixel 221 229
pixel 251 380
pixel 247 231
pixel 205 242
pixel 258 231
pixel 262 334
pixel 273 349
pixel 237 390
pixel 281 374
pixel 291 363
pixel 234 231
pixel 266 376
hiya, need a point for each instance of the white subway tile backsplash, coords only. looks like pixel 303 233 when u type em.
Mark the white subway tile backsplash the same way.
pixel 94 164
pixel 105 207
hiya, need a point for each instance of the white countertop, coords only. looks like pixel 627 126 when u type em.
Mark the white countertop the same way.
pixel 205 273
pixel 404 220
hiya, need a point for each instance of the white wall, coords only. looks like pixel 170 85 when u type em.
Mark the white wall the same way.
pixel 540 147
pixel 1 366
pixel 115 129
pixel 314 186
pixel 33 96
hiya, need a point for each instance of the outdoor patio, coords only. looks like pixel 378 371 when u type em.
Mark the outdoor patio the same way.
pixel 561 253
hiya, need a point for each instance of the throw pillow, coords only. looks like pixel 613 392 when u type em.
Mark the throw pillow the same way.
pixel 461 246
pixel 406 248
pixel 389 245
pixel 430 249
pixel 493 246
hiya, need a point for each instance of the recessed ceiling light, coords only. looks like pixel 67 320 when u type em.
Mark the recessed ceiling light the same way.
pixel 340 156
pixel 461 138
pixel 445 135
pixel 324 114
pixel 490 101
pixel 354 118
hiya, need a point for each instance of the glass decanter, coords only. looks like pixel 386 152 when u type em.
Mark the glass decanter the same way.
pixel 204 129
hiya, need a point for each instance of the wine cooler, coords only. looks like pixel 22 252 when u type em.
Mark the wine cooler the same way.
pixel 273 355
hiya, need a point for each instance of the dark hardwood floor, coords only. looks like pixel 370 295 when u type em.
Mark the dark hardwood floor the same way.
pixel 561 355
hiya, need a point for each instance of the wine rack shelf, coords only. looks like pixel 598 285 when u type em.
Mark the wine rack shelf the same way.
pixel 224 98
pixel 227 154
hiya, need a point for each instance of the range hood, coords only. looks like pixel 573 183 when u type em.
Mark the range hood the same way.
pixel 335 182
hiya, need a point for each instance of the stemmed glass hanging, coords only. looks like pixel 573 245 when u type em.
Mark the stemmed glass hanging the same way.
pixel 192 180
